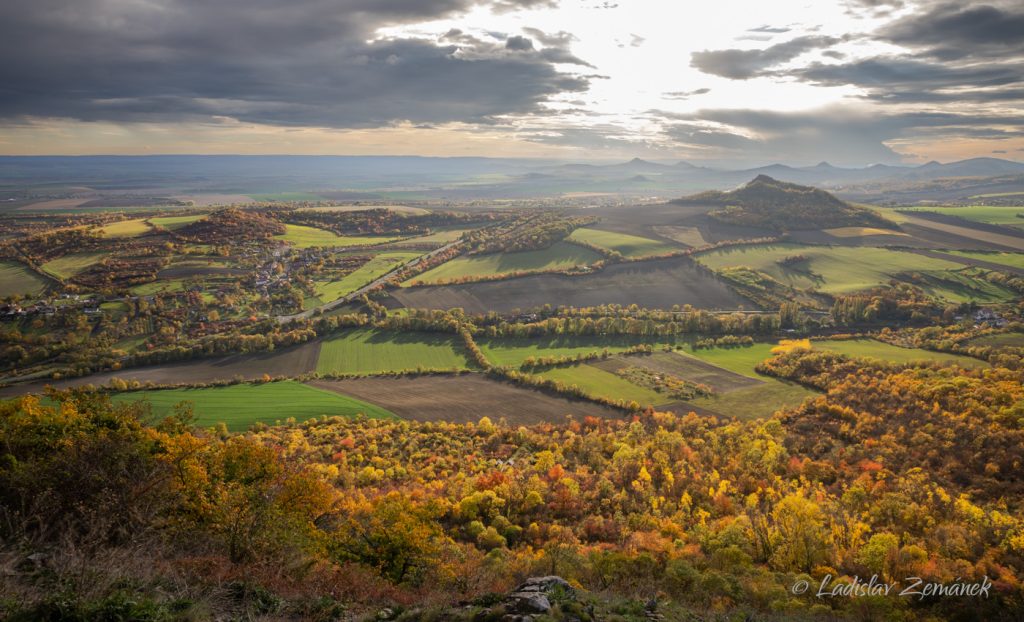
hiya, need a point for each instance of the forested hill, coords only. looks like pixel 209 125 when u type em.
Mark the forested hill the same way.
pixel 773 204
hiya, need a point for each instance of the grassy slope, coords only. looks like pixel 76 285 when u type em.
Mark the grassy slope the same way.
pixel 306 237
pixel 126 228
pixel 558 256
pixel 69 265
pixel 381 264
pixel 869 348
pixel 1013 260
pixel 17 279
pixel 601 383
pixel 173 223
pixel 628 245
pixel 240 405
pixel 372 352
pixel 844 270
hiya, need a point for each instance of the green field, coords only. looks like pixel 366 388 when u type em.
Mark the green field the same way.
pixel 126 228
pixel 1012 260
pixel 993 215
pixel 374 352
pixel 600 383
pixel 774 394
pixel 738 360
pixel 505 352
pixel 844 270
pixel 301 236
pixel 69 265
pixel 762 400
pixel 240 405
pixel 559 256
pixel 326 291
pixel 16 279
pixel 870 348
pixel 173 223
pixel 630 246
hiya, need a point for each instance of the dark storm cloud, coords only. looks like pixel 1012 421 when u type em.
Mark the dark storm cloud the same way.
pixel 952 31
pixel 852 136
pixel 894 72
pixel 742 64
pixel 305 62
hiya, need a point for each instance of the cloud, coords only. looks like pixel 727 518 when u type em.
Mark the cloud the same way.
pixel 743 64
pixel 770 29
pixel 847 135
pixel 301 63
pixel 685 94
pixel 518 42
pixel 888 72
pixel 953 31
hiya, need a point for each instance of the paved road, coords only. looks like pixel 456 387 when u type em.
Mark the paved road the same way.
pixel 284 319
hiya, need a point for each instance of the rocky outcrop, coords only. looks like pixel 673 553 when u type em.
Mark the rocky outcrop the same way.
pixel 532 596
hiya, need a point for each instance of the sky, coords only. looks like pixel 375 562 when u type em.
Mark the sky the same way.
pixel 720 82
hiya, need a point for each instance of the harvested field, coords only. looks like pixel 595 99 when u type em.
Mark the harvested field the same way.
pixel 989 237
pixel 465 398
pixel 292 361
pixel 656 284
pixel 1000 340
pixel 685 367
pixel 687 236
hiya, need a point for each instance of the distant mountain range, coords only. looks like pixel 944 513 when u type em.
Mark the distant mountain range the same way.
pixel 481 178
pixel 821 174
